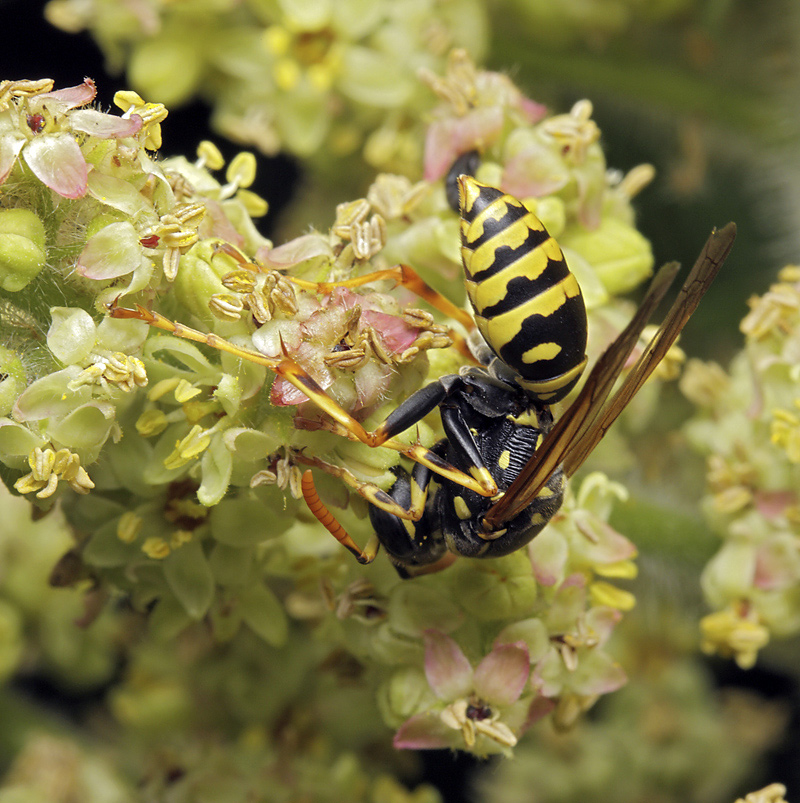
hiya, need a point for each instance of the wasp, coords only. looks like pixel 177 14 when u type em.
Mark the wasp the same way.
pixel 499 474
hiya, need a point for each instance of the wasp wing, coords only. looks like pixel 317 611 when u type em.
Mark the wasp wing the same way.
pixel 583 425
pixel 697 283
pixel 569 428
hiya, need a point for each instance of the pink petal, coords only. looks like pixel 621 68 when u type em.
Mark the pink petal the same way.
pixel 9 151
pixel 447 139
pixel 501 676
pixel 532 110
pixel 285 394
pixel 534 172
pixel 423 732
pixel 73 96
pixel 776 563
pixel 396 334
pixel 57 161
pixel 104 126
pixel 447 669
pixel 603 543
pixel 217 224
pixel 771 504
pixel 601 620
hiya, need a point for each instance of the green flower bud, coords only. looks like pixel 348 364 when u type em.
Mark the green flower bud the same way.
pixel 621 256
pixel 406 692
pixel 168 67
pixel 72 335
pixel 22 248
pixel 414 608
pixel 495 589
pixel 12 379
pixel 199 278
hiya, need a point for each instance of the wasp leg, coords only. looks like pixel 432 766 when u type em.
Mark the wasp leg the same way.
pixel 414 409
pixel 376 496
pixel 401 274
pixel 343 423
pixel 413 547
pixel 328 521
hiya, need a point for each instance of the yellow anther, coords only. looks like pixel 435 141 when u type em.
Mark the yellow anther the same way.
pixel 190 215
pixel 603 593
pixel 277 40
pixel 185 391
pixel 242 169
pixel 189 448
pixel 151 422
pixel 321 76
pixel 622 569
pixel 162 387
pixel 156 548
pixel 17 89
pixel 226 306
pixel 255 205
pixel 286 74
pixel 179 538
pixel 209 155
pixel 129 526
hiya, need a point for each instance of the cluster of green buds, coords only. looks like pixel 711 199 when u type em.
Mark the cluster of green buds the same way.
pixel 288 75
pixel 177 454
pixel 749 428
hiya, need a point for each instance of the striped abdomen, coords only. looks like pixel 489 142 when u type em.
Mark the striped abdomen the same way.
pixel 528 305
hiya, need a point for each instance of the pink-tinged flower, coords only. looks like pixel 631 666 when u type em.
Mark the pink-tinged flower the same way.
pixel 477 106
pixel 478 708
pixel 343 324
pixel 40 128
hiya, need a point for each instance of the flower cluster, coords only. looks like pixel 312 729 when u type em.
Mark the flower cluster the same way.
pixel 748 427
pixel 153 341
pixel 288 75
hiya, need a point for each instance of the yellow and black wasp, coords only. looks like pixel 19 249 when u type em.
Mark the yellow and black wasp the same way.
pixel 501 468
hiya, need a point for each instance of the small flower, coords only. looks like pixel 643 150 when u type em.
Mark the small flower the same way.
pixel 734 632
pixel 785 432
pixel 774 793
pixel 471 702
pixel 48 467
pixel 44 128
pixel 150 114
pixel 189 448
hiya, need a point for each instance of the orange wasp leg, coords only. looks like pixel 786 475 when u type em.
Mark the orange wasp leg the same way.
pixel 343 423
pixel 400 274
pixel 372 493
pixel 328 521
